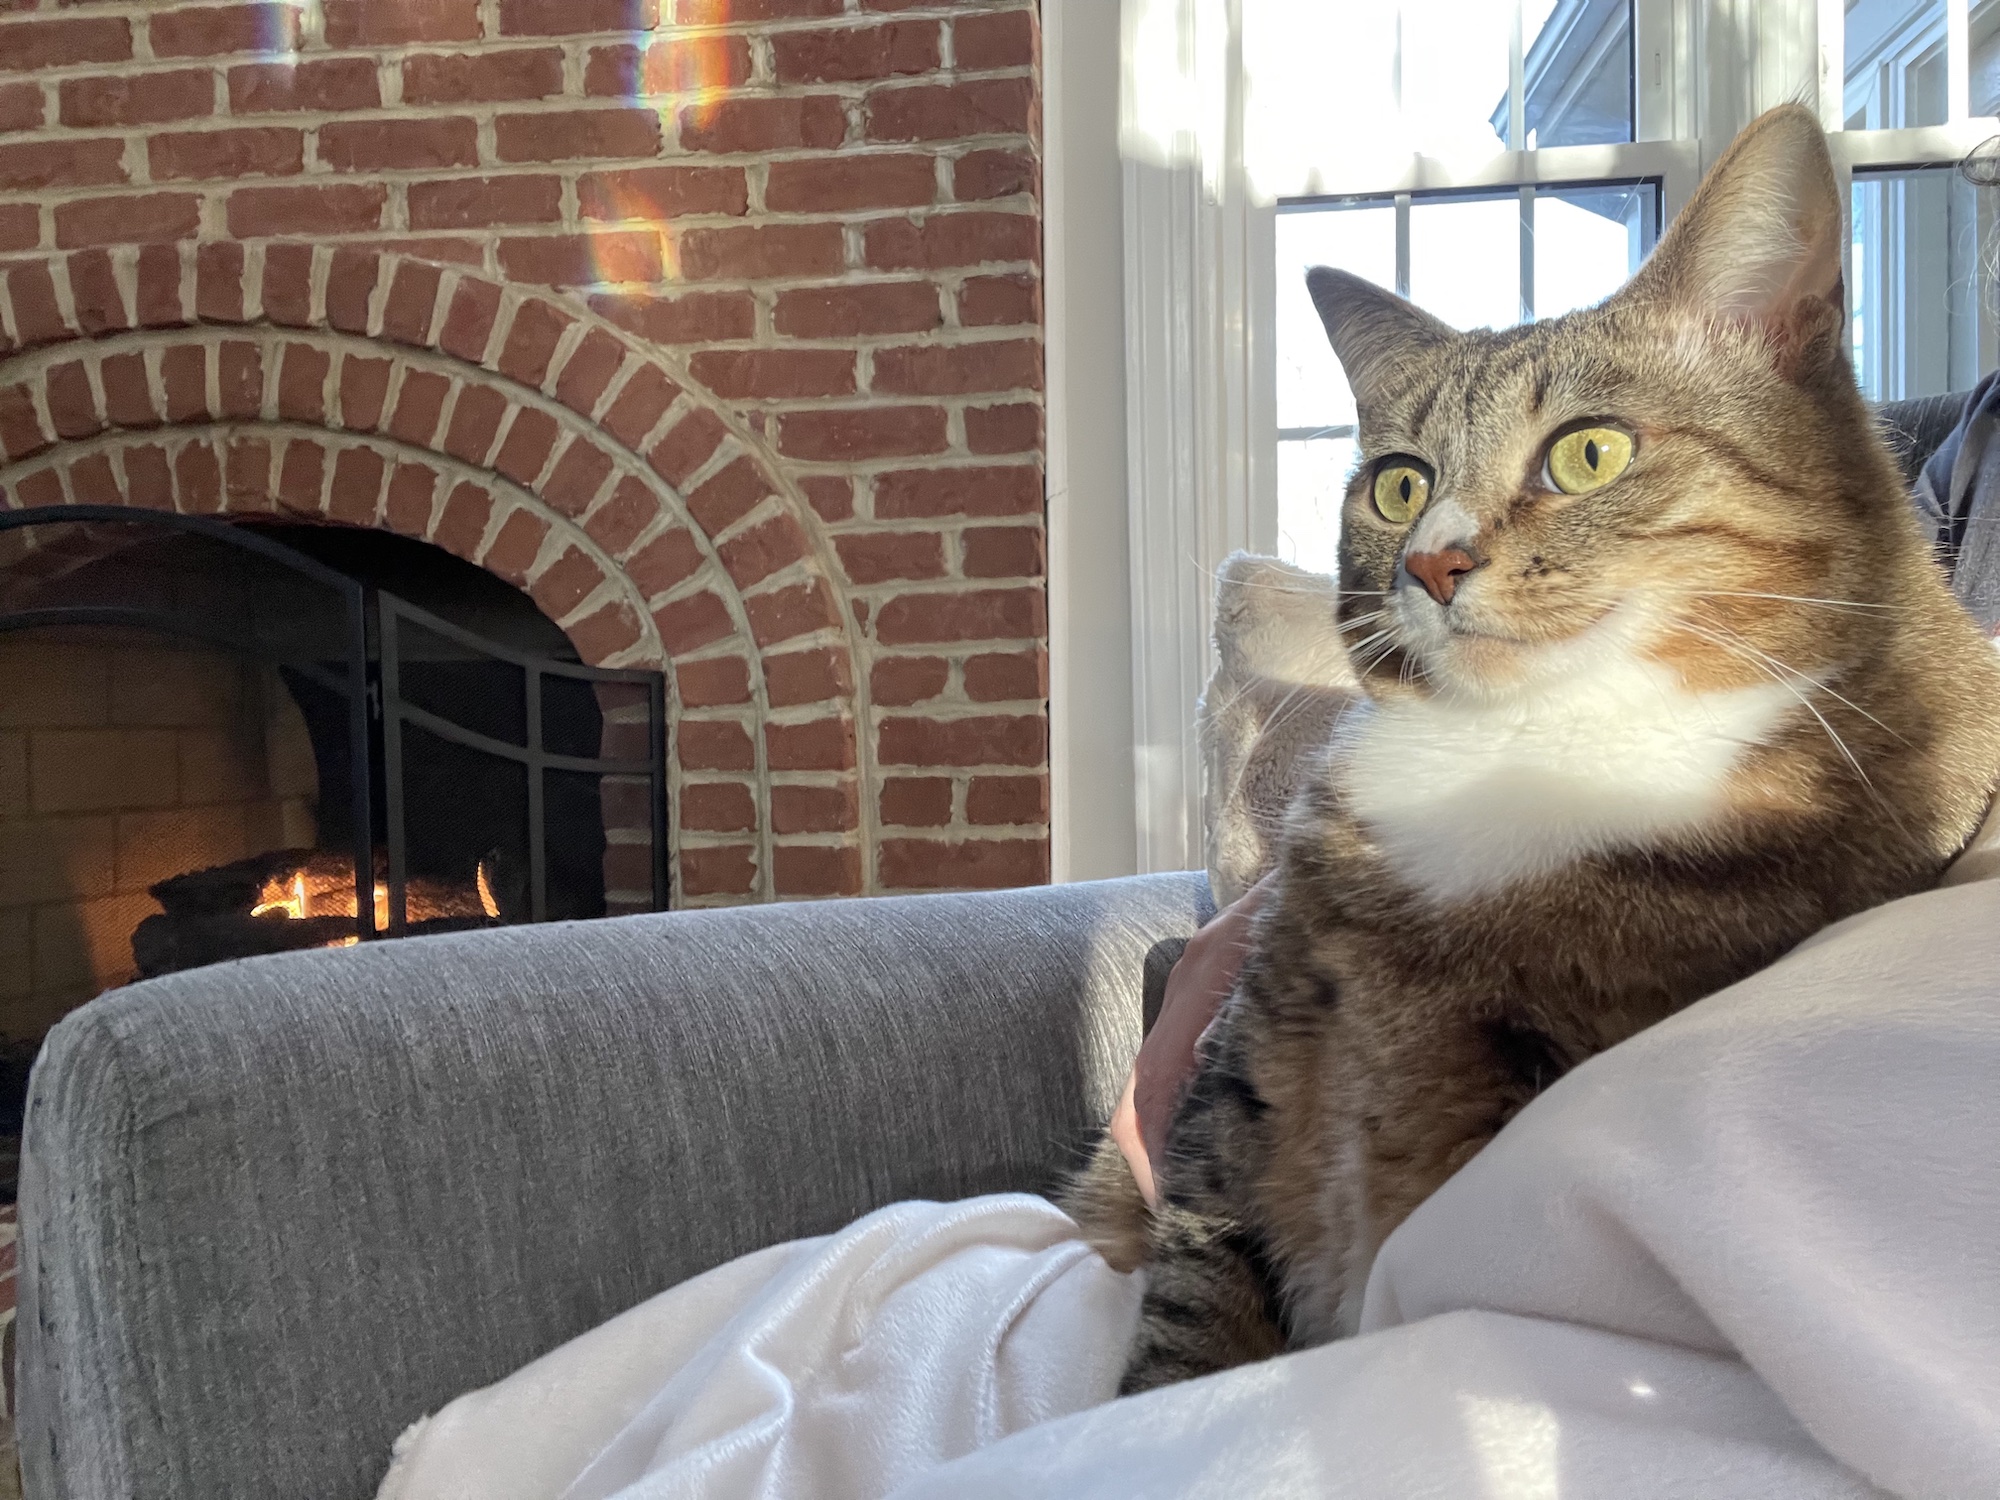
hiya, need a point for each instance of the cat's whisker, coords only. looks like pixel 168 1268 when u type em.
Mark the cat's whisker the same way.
pixel 1786 667
pixel 1791 599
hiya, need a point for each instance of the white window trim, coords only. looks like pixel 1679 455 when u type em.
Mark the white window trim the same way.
pixel 1201 409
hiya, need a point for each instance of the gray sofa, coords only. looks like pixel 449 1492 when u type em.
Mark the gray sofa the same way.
pixel 273 1211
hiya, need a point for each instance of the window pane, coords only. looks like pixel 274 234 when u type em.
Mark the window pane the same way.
pixel 1919 325
pixel 1357 237
pixel 1312 477
pixel 1895 64
pixel 1984 36
pixel 1577 73
pixel 1453 70
pixel 1588 241
pixel 1465 259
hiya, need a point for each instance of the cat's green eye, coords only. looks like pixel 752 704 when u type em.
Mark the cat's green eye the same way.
pixel 1400 491
pixel 1588 458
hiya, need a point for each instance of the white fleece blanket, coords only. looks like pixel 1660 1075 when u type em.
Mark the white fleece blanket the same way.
pixel 1753 1252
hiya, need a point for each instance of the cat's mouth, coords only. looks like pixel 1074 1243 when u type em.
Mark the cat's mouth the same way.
pixel 1468 649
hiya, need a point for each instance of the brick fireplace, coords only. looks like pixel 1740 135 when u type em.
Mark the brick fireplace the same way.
pixel 714 327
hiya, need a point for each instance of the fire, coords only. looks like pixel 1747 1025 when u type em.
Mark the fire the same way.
pixel 291 903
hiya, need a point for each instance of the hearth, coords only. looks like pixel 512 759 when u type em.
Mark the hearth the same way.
pixel 229 738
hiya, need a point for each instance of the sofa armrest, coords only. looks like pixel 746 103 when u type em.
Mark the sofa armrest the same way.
pixel 273 1211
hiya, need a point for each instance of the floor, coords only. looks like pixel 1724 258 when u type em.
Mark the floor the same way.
pixel 10 1464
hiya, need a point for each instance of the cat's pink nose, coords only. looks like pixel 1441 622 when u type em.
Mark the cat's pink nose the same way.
pixel 1439 572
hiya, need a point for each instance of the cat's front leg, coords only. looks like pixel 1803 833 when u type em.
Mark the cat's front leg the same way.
pixel 1210 1302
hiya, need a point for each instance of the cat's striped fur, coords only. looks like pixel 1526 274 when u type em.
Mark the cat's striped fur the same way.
pixel 1664 731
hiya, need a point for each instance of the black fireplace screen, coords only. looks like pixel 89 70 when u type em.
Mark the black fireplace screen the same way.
pixel 462 780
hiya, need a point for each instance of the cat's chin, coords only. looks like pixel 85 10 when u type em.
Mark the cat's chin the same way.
pixel 1484 663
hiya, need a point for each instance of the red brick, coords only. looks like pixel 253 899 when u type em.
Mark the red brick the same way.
pixel 899 681
pixel 210 30
pixel 357 486
pixel 818 674
pixel 184 376
pixel 876 557
pixel 585 259
pixel 216 155
pixel 1003 40
pixel 1007 799
pixel 655 194
pixel 478 77
pixel 575 17
pixel 769 374
pixel 478 202
pixel 1003 552
pixel 689 62
pixel 830 496
pixel 570 134
pixel 686 447
pixel 72 407
pixel 466 511
pixel 762 251
pixel 334 83
pixel 719 12
pixel 412 494
pixel 851 182
pixel 703 745
pixel 20 429
pixel 128 220
pixel 140 99
pixel 994 174
pixel 783 614
pixel 531 342
pixel 988 301
pixel 814 870
pixel 855 54
pixel 689 624
pixel 20 106
pixel 149 480
pixel 301 476
pixel 287 294
pixel 469 324
pixel 698 318
pixel 302 384
pixel 198 479
pixel 1006 490
pixel 730 871
pixel 729 495
pixel 990 740
pixel 344 208
pixel 128 399
pixel 351 278
pixel 30 46
pixel 815 809
pixel 578 475
pixel 953 239
pixel 970 615
pixel 419 405
pixel 363 385
pixel 851 311
pixel 92 480
pixel 20 226
pixel 754 555
pixel 218 283
pixel 868 432
pixel 976 864
pixel 100 306
pixel 240 380
pixel 43 164
pixel 391 145
pixel 817 745
pixel 937 112
pixel 606 631
pixel 663 562
pixel 475 421
pixel 406 315
pixel 720 680
pixel 628 510
pixel 958 369
pixel 514 549
pixel 364 23
pixel 815 121
pixel 566 583
pixel 449 249
pixel 1009 676
pixel 717 807
pixel 916 801
pixel 641 402
pixel 588 370
pixel 1004 429
pixel 527 447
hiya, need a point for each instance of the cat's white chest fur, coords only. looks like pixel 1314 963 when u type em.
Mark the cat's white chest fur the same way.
pixel 1464 798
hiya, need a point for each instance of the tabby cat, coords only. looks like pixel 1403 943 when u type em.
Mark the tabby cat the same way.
pixel 1660 678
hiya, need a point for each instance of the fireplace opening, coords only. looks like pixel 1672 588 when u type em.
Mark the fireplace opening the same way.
pixel 221 739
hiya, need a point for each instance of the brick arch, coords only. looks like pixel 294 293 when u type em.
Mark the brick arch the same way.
pixel 508 425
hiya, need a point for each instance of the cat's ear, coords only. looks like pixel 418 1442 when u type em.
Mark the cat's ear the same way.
pixel 1759 243
pixel 1370 329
